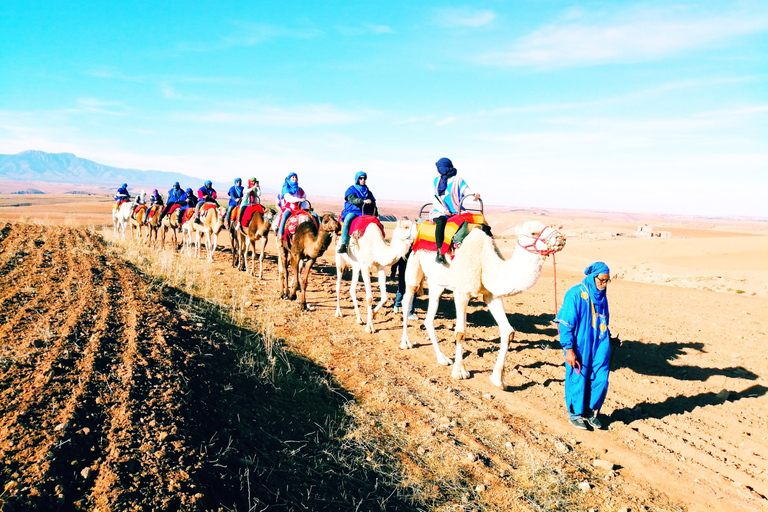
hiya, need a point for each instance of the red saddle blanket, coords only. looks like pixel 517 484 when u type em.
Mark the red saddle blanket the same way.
pixel 425 238
pixel 152 210
pixel 188 214
pixel 118 203
pixel 359 225
pixel 174 207
pixel 138 209
pixel 248 215
pixel 295 220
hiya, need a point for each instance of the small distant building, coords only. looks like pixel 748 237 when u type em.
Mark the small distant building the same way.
pixel 646 231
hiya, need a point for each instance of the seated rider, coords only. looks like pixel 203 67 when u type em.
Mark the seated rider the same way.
pixel 154 200
pixel 250 196
pixel 450 190
pixel 205 194
pixel 188 201
pixel 291 200
pixel 122 193
pixel 358 200
pixel 235 195
pixel 141 198
pixel 175 196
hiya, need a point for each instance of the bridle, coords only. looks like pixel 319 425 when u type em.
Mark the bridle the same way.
pixel 542 252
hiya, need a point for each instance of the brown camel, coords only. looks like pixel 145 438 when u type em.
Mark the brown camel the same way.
pixel 308 244
pixel 246 236
pixel 136 220
pixel 153 223
pixel 171 222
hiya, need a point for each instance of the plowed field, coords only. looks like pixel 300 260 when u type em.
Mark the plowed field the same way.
pixel 119 392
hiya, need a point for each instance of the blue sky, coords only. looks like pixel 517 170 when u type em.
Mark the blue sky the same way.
pixel 626 106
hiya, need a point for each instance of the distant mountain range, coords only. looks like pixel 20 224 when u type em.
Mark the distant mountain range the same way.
pixel 39 166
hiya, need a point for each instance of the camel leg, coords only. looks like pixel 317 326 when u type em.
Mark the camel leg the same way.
pixel 339 272
pixel 461 300
pixel 496 307
pixel 261 255
pixel 304 280
pixel 353 291
pixel 435 292
pixel 295 281
pixel 213 242
pixel 413 276
pixel 381 277
pixel 366 271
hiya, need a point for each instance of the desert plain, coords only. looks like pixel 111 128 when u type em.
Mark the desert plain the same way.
pixel 116 426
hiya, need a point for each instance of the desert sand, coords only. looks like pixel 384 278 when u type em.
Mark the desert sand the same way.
pixel 687 406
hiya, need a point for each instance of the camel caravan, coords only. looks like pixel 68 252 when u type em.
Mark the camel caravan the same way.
pixel 449 247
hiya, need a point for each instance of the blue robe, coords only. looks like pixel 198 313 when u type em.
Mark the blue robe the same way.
pixel 583 326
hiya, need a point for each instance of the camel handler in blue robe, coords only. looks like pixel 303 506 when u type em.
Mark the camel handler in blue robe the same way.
pixel 585 338
pixel 358 200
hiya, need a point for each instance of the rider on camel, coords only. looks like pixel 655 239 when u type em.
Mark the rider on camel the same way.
pixel 175 196
pixel 122 193
pixel 188 200
pixel 291 199
pixel 205 194
pixel 235 195
pixel 154 200
pixel 357 198
pixel 450 191
pixel 250 196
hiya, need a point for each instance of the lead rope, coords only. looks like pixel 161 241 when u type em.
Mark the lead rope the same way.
pixel 554 269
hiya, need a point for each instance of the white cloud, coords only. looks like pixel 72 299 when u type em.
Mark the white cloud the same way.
pixel 464 17
pixel 445 121
pixel 629 36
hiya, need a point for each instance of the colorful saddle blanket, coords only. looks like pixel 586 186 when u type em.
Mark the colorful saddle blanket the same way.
pixel 248 215
pixel 188 214
pixel 295 220
pixel 118 203
pixel 425 238
pixel 138 209
pixel 153 210
pixel 173 208
pixel 360 224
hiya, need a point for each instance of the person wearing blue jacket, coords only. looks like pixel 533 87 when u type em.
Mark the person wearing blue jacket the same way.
pixel 358 199
pixel 122 193
pixel 585 338
pixel 175 196
pixel 235 195
pixel 188 200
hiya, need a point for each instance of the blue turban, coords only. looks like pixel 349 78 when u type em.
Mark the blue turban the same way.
pixel 290 187
pixel 362 189
pixel 447 170
pixel 592 271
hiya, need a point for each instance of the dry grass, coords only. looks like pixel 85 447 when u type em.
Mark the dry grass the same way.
pixel 455 450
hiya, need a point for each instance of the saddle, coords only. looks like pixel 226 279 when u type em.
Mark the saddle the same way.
pixel 359 225
pixel 118 203
pixel 152 210
pixel 248 215
pixel 293 222
pixel 456 229
pixel 188 214
pixel 173 208
pixel 137 209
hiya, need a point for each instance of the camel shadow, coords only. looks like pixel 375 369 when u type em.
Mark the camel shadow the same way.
pixel 655 360
pixel 681 404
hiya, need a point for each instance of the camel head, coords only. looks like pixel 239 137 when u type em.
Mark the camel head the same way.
pixel 535 237
pixel 329 223
pixel 404 230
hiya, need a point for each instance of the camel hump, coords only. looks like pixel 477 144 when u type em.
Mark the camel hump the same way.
pixel 361 223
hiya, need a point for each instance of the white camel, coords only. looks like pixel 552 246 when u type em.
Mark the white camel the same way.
pixel 120 218
pixel 478 269
pixel 370 251
pixel 211 223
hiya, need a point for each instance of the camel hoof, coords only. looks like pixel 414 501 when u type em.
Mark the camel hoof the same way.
pixel 405 345
pixel 338 313
pixel 459 373
pixel 360 321
pixel 498 382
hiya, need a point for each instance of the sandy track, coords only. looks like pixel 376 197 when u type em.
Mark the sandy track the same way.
pixel 98 413
pixel 686 410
